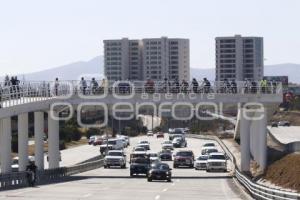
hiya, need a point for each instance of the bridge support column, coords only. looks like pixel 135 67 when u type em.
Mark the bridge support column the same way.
pixel 262 141
pixel 5 145
pixel 53 142
pixel 245 142
pixel 23 141
pixel 39 139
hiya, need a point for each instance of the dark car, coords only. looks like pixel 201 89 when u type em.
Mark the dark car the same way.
pixel 274 124
pixel 184 158
pixel 179 142
pixel 160 135
pixel 177 132
pixel 139 166
pixel 165 155
pixel 160 171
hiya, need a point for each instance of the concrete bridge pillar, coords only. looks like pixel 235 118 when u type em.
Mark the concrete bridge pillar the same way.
pixel 53 141
pixel 262 141
pixel 245 141
pixel 5 145
pixel 39 139
pixel 23 141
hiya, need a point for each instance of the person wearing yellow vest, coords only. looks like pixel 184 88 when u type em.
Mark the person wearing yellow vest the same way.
pixel 263 85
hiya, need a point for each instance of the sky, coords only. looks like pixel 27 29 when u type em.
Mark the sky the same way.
pixel 37 35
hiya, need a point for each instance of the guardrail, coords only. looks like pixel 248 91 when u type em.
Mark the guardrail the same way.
pixel 256 190
pixel 19 179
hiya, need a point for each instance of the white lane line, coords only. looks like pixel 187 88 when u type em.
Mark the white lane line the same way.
pixel 166 189
pixel 157 197
pixel 173 184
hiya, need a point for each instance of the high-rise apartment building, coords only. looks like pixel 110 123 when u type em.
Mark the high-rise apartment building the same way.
pixel 154 58
pixel 239 58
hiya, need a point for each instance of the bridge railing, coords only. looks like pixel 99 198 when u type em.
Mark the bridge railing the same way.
pixel 33 91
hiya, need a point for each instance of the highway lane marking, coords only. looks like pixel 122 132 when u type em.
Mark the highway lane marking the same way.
pixel 173 184
pixel 157 197
pixel 166 189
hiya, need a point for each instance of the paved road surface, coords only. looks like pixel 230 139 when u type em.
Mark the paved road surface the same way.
pixel 115 183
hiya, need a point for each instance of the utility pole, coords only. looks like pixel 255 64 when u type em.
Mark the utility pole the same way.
pixel 152 122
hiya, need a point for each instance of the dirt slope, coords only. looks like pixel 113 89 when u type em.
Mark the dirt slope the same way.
pixel 285 172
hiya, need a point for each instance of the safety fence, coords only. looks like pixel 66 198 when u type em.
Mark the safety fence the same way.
pixel 20 179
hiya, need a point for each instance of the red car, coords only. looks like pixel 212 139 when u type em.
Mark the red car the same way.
pixel 98 141
pixel 160 135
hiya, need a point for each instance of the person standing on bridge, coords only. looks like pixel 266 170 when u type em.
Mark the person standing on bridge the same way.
pixel 207 85
pixel 31 173
pixel 56 85
pixel 83 85
pixel 195 85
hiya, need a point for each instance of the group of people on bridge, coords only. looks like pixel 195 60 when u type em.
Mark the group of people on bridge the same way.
pixel 94 87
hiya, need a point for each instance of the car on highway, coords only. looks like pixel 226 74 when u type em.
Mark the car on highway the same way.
pixel 138 154
pixel 208 150
pixel 115 158
pixel 201 162
pixel 92 139
pixel 139 166
pixel 165 155
pixel 154 157
pixel 159 171
pixel 111 144
pixel 176 131
pixel 146 146
pixel 139 149
pixel 167 145
pixel 150 133
pixel 184 158
pixel 126 138
pixel 160 135
pixel 284 123
pixel 144 142
pixel 216 162
pixel 209 144
pixel 274 124
pixel 179 142
pixel 98 141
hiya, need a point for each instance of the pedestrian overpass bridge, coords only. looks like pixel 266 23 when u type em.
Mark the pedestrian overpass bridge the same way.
pixel 41 97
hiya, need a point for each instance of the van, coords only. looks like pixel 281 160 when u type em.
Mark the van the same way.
pixel 115 144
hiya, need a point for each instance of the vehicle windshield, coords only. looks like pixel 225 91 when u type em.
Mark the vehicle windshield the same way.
pixel 202 158
pixel 217 157
pixel 15 161
pixel 139 149
pixel 209 145
pixel 212 150
pixel 178 131
pixel 160 166
pixel 167 142
pixel 112 142
pixel 184 153
pixel 141 161
pixel 115 153
pixel 153 155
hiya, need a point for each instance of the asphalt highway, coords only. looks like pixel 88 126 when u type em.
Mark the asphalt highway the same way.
pixel 116 184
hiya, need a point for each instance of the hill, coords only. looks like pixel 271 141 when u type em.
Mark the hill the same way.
pixel 74 71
